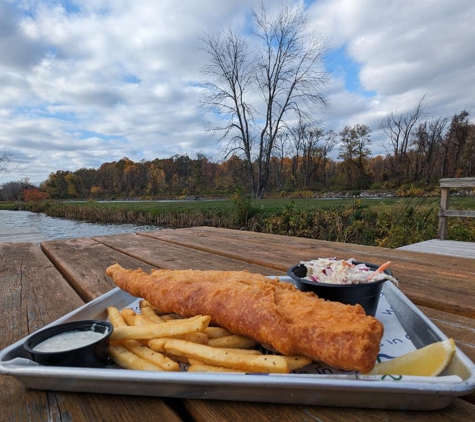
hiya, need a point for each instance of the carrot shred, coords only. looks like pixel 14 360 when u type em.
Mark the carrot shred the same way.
pixel 379 270
pixel 382 267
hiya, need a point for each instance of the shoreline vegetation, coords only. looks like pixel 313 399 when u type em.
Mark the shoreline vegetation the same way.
pixel 373 219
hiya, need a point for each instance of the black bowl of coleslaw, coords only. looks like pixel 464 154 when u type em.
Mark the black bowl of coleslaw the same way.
pixel 365 294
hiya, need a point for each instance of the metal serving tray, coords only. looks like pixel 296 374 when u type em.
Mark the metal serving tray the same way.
pixel 344 390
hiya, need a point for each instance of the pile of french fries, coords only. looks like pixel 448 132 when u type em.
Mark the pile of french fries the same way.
pixel 154 341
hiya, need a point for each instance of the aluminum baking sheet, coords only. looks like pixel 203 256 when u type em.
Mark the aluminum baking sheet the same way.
pixel 316 386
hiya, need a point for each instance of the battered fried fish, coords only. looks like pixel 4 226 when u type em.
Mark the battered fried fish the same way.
pixel 271 312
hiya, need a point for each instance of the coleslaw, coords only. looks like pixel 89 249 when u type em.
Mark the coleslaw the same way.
pixel 333 271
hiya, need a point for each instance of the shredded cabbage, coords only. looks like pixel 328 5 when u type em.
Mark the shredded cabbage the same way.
pixel 333 271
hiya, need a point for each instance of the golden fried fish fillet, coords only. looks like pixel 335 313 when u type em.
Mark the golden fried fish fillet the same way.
pixel 271 312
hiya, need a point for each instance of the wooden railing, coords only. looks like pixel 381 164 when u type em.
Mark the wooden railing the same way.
pixel 444 212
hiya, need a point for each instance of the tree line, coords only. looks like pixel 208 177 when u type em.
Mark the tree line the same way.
pixel 420 151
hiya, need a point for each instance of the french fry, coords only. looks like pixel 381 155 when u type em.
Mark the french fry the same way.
pixel 129 316
pixel 243 351
pixel 227 358
pixel 145 303
pixel 157 310
pixel 141 319
pixel 195 337
pixel 216 332
pixel 148 311
pixel 150 355
pixel 137 332
pixel 170 317
pixel 193 361
pixel 122 357
pixel 296 362
pixel 157 344
pixel 232 342
pixel 115 317
pixel 200 338
pixel 210 368
pixel 177 358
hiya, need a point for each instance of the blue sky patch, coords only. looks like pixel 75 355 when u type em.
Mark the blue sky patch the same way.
pixel 342 66
pixel 87 134
pixel 131 79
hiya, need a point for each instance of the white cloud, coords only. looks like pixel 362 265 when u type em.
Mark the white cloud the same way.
pixel 404 50
pixel 95 81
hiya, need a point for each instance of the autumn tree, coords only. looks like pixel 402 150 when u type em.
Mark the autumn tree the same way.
pixel 34 195
pixel 459 147
pixel 75 184
pixel 156 182
pixel 354 152
pixel 256 88
pixel 56 186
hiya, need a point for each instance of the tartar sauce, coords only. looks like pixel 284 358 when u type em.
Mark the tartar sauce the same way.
pixel 68 340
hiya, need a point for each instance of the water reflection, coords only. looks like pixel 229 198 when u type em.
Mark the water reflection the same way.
pixel 25 226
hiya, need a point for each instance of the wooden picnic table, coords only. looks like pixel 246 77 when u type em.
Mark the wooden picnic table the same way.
pixel 41 283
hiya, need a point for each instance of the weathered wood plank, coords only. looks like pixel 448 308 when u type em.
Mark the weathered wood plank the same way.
pixel 443 247
pixel 461 182
pixel 105 407
pixel 460 328
pixel 450 279
pixel 233 411
pixel 32 294
pixel 444 205
pixel 457 213
pixel 305 245
pixel 26 279
pixel 162 254
pixel 83 263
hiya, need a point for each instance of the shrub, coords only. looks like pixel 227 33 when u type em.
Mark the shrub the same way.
pixel 242 207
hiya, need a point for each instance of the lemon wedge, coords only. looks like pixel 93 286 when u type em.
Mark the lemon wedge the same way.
pixel 429 361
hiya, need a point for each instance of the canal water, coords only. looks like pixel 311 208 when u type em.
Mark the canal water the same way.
pixel 25 226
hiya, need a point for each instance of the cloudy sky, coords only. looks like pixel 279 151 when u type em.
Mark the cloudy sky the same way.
pixel 83 82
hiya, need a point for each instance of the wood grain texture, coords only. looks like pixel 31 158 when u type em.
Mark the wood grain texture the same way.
pixel 162 254
pixel 83 263
pixel 460 182
pixel 453 248
pixel 32 294
pixel 234 411
pixel 458 213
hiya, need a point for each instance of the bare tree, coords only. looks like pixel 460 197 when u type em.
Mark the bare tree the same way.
pixel 328 144
pixel 398 128
pixel 312 147
pixel 426 147
pixel 5 160
pixel 257 89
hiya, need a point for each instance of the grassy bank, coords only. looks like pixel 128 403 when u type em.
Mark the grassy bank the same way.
pixel 388 222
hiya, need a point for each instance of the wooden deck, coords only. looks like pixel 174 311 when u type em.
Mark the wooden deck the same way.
pixel 443 247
